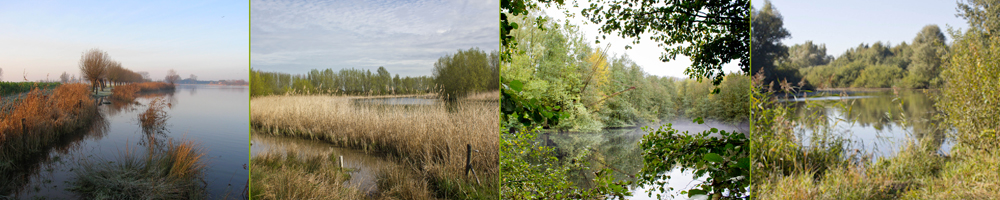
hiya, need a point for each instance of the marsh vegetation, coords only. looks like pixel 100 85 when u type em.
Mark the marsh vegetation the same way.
pixel 428 142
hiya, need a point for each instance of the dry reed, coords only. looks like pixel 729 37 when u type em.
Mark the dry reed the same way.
pixel 39 119
pixel 277 176
pixel 128 92
pixel 171 174
pixel 154 119
pixel 431 137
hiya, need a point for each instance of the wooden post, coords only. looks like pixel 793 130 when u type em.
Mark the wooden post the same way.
pixel 468 159
pixel 341 163
pixel 24 128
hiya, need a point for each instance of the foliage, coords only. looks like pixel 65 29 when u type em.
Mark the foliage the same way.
pixel 878 76
pixel 721 156
pixel 711 33
pixel 465 72
pixel 531 170
pixel 9 88
pixel 970 97
pixel 343 82
pixel 768 31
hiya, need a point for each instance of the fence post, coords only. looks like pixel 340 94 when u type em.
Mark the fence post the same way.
pixel 468 159
pixel 24 128
pixel 341 163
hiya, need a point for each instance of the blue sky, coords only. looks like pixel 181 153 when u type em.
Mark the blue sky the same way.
pixel 205 38
pixel 406 37
pixel 845 24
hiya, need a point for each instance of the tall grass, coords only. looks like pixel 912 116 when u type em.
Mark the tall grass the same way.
pixel 174 173
pixel 430 137
pixel 154 119
pixel 290 176
pixel 39 119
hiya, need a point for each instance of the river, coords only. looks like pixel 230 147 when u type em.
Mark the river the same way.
pixel 214 117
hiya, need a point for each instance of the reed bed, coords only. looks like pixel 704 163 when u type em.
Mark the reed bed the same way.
pixel 173 173
pixel 430 137
pixel 40 118
pixel 128 92
pixel 294 176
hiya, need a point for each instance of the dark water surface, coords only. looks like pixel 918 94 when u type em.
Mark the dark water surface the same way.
pixel 214 117
pixel 618 148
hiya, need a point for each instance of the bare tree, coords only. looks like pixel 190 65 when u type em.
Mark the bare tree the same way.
pixel 64 78
pixel 144 76
pixel 172 77
pixel 194 78
pixel 92 66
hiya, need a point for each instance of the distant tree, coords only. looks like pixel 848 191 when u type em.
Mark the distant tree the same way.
pixel 64 78
pixel 194 78
pixel 172 77
pixel 929 53
pixel 461 73
pixel 93 63
pixel 144 75
pixel 1 74
pixel 768 31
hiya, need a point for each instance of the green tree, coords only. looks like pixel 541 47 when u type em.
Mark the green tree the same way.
pixel 929 53
pixel 462 73
pixel 768 31
pixel 711 33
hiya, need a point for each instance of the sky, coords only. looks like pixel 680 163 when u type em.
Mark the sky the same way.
pixel 646 54
pixel 47 37
pixel 406 37
pixel 846 24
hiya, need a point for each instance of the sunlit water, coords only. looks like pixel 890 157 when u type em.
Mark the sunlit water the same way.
pixel 877 123
pixel 214 117
pixel 618 148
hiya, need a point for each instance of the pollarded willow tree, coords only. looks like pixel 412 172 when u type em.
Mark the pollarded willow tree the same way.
pixel 93 65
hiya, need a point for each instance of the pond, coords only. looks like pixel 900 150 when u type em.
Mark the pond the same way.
pixel 877 123
pixel 214 117
pixel 618 149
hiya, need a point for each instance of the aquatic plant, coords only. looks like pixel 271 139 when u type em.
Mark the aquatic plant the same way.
pixel 290 176
pixel 173 173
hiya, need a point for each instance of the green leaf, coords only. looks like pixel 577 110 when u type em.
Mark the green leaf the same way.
pixel 699 120
pixel 713 157
pixel 516 85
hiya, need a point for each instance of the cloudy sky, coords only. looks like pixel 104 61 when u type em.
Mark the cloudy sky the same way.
pixel 47 37
pixel 646 54
pixel 845 24
pixel 406 37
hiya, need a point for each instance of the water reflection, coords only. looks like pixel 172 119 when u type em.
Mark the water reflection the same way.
pixel 19 177
pixel 618 149
pixel 877 122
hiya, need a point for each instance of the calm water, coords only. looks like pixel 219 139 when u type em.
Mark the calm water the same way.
pixel 878 122
pixel 618 148
pixel 215 117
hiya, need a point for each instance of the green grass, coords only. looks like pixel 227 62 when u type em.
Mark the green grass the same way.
pixel 9 88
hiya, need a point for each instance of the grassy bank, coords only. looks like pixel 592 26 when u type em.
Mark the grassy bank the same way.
pixel 9 88
pixel 430 138
pixel 172 173
pixel 291 176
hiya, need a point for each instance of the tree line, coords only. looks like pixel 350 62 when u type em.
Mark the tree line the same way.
pixel 97 67
pixel 454 76
pixel 879 65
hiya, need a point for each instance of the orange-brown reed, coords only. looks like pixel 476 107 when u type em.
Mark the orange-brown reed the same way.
pixel 171 173
pixel 128 92
pixel 46 117
pixel 431 137
pixel 154 118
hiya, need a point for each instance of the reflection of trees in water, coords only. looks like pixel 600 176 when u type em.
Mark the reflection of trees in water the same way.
pixel 617 149
pixel 17 178
pixel 884 111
